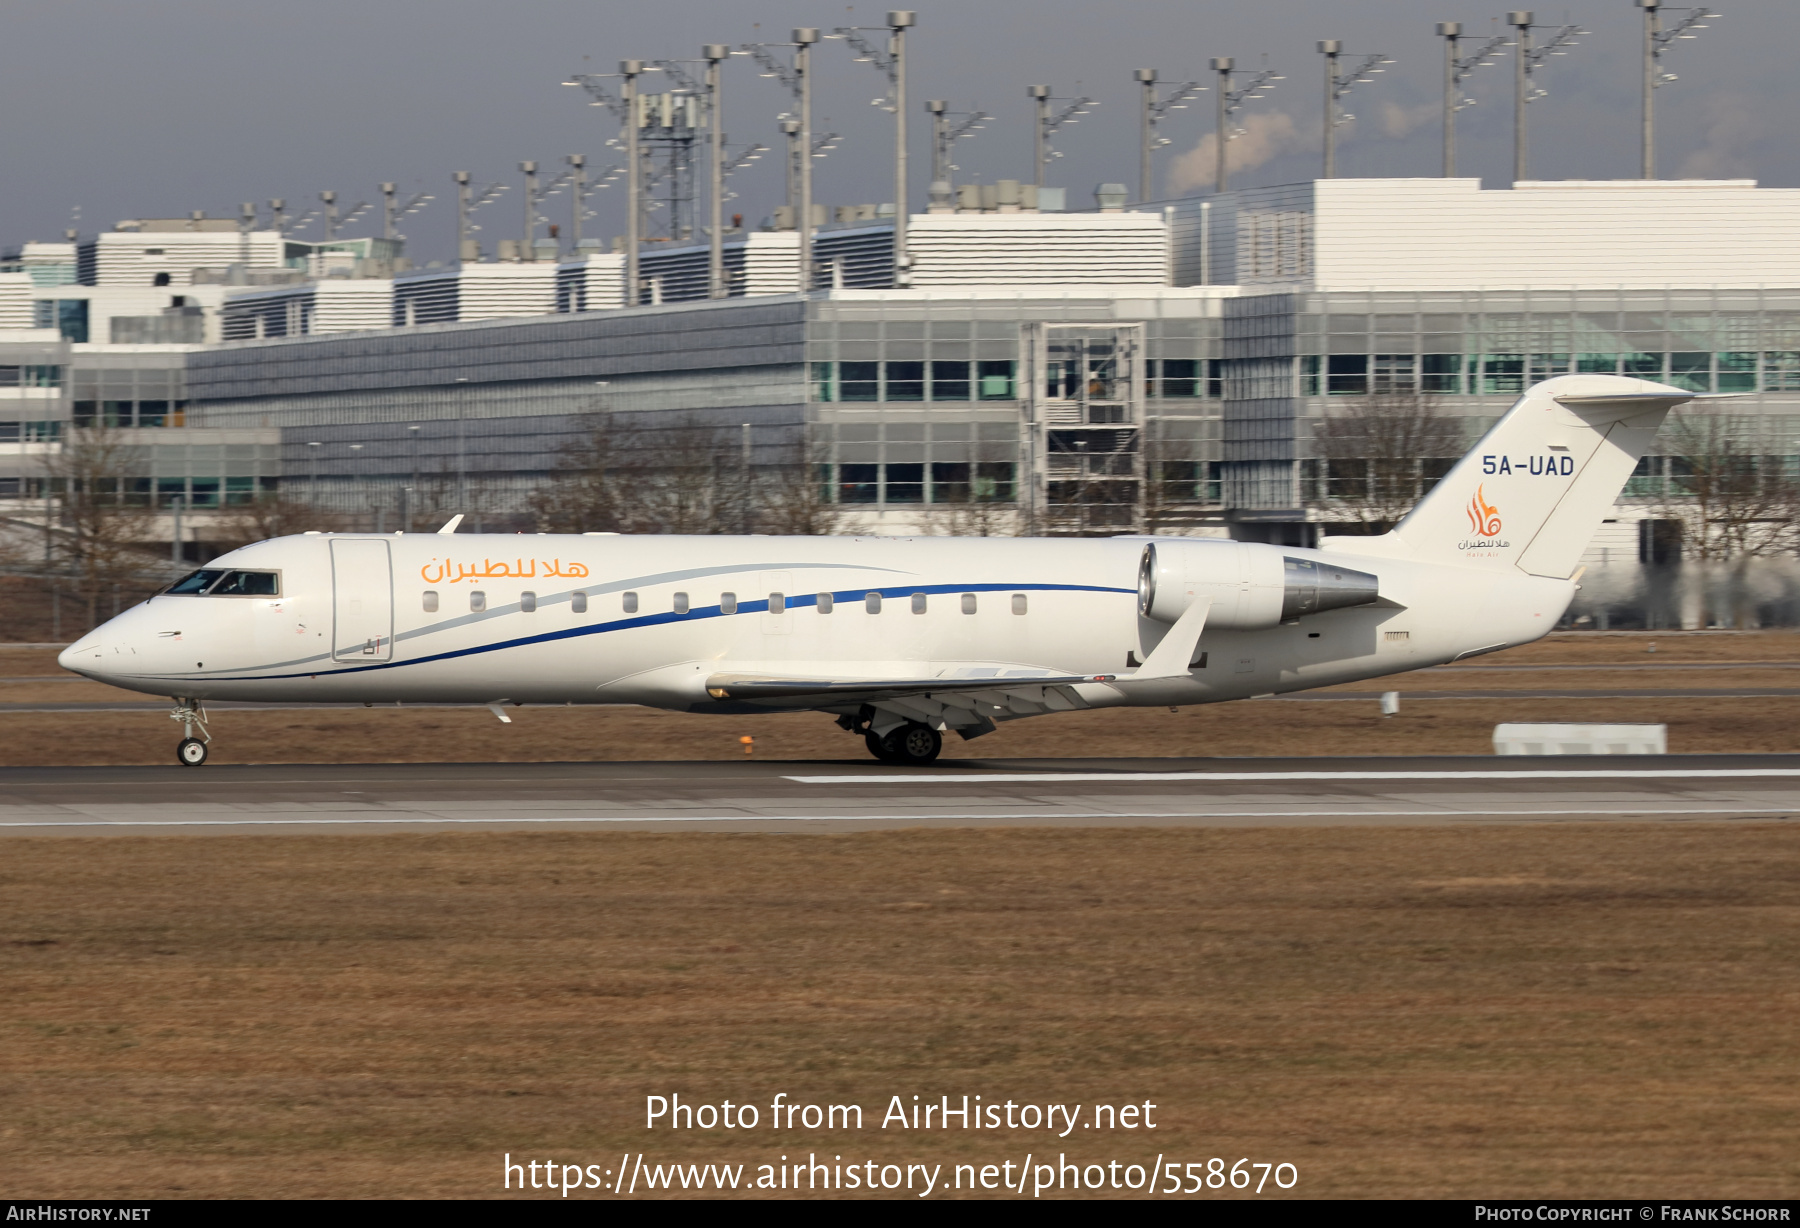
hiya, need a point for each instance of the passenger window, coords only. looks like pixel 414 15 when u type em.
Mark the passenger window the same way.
pixel 430 602
pixel 918 603
pixel 578 602
pixel 872 603
pixel 824 603
pixel 728 603
pixel 1018 603
pixel 968 603
pixel 477 601
pixel 778 603
pixel 527 603
pixel 681 603
pixel 629 602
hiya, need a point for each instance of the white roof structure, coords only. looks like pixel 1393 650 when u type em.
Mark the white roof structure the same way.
pixel 772 262
pixel 476 292
pixel 135 258
pixel 591 283
pixel 1425 234
pixel 15 302
pixel 1037 249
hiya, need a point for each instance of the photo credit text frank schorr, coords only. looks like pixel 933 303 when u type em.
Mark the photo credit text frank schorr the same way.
pixel 1127 1161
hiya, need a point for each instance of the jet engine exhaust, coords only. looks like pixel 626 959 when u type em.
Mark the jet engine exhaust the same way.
pixel 1310 587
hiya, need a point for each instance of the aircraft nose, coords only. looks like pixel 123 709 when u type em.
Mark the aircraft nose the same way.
pixel 82 656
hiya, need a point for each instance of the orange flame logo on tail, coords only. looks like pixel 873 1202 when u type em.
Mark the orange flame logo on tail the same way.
pixel 1484 516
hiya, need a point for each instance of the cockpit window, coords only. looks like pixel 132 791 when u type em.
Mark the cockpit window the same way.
pixel 247 584
pixel 195 582
pixel 214 582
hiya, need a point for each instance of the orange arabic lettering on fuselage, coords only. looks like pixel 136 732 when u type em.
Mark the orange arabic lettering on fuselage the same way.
pixel 448 572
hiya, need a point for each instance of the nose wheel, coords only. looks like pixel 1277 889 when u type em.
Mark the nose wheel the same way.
pixel 190 751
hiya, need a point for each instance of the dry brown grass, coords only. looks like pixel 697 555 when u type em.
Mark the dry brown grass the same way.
pixel 1594 647
pixel 1258 727
pixel 552 735
pixel 1586 1011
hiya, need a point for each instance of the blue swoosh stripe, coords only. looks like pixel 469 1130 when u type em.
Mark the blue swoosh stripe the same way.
pixel 652 620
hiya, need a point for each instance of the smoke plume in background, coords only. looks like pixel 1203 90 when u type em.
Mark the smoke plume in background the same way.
pixel 1731 130
pixel 1267 135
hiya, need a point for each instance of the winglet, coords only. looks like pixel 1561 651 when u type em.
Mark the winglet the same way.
pixel 1170 658
pixel 450 525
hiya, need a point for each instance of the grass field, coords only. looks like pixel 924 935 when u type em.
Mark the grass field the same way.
pixel 1579 1011
pixel 1530 1011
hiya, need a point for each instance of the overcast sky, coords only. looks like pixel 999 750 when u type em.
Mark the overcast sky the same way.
pixel 140 108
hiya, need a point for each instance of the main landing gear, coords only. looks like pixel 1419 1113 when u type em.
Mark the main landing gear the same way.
pixel 911 744
pixel 914 743
pixel 190 751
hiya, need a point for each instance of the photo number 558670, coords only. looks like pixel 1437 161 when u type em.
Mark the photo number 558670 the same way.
pixel 1213 1175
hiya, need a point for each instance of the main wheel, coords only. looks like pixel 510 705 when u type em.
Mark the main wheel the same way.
pixel 879 746
pixel 915 744
pixel 191 751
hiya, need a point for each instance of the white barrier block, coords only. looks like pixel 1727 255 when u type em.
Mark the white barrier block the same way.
pixel 1523 739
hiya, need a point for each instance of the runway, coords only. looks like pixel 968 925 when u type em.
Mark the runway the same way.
pixel 823 796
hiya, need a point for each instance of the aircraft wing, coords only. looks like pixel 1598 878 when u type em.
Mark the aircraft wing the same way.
pixel 868 690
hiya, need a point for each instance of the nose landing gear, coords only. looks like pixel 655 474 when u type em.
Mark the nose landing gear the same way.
pixel 191 751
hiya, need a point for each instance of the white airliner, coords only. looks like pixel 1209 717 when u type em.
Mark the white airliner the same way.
pixel 902 639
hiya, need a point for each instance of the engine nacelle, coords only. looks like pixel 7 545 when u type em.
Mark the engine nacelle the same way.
pixel 1252 586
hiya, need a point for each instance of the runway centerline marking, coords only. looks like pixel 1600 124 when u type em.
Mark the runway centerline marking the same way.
pixel 1134 777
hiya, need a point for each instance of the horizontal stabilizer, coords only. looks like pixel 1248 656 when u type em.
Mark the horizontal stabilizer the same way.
pixel 1639 402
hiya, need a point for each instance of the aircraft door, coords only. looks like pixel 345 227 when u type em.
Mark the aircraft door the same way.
pixel 362 600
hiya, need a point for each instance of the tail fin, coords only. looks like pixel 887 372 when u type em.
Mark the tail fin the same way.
pixel 1533 492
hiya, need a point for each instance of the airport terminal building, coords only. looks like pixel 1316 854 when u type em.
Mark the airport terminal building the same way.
pixel 1164 369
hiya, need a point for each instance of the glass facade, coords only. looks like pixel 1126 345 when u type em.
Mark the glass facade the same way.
pixel 136 396
pixel 1295 358
pixel 960 381
pixel 31 377
pixel 912 401
pixel 1501 374
pixel 69 316
pixel 919 401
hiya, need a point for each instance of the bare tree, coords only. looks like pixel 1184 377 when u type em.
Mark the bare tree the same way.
pixel 679 475
pixel 792 498
pixel 240 524
pixel 1731 502
pixel 675 476
pixel 1381 453
pixel 1174 473
pixel 983 499
pixel 688 477
pixel 103 537
pixel 584 491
